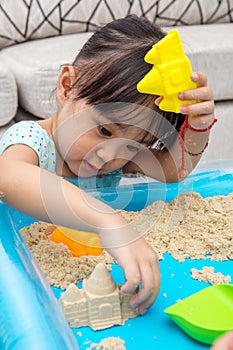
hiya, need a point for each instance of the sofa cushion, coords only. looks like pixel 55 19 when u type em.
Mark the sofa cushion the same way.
pixel 210 48
pixel 21 21
pixel 4 128
pixel 8 95
pixel 36 66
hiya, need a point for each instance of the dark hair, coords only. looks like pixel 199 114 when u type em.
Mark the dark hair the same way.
pixel 111 63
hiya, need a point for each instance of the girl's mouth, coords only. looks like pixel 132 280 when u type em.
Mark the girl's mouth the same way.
pixel 91 169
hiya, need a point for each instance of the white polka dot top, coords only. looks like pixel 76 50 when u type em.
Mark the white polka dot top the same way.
pixel 30 133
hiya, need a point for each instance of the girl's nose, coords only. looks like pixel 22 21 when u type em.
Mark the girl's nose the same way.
pixel 106 155
pixel 109 150
pixel 113 149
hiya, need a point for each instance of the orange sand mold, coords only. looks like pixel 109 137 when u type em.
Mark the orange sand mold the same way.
pixel 79 243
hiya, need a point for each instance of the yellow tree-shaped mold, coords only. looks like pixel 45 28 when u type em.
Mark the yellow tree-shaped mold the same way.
pixel 170 74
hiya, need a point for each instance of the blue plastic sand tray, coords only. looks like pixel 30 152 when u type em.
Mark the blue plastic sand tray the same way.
pixel 30 316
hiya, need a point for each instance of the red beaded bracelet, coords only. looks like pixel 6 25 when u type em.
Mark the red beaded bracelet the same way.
pixel 197 154
pixel 183 172
pixel 186 125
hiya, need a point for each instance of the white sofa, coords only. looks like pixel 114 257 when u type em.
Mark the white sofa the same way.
pixel 35 40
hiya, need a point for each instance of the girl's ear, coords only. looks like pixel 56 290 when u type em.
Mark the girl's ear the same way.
pixel 66 80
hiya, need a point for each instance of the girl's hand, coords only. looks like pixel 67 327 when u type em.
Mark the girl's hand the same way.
pixel 140 265
pixel 225 342
pixel 201 114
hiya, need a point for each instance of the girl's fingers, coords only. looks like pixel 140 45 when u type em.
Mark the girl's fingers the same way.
pixel 143 273
pixel 150 288
pixel 150 283
pixel 158 100
pixel 203 93
pixel 132 278
pixel 202 108
pixel 200 78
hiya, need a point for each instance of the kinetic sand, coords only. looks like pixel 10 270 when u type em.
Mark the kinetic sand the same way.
pixel 110 343
pixel 207 274
pixel 188 227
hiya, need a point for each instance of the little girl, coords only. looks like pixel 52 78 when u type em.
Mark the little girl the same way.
pixel 103 125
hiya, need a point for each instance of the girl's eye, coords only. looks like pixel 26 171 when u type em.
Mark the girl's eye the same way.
pixel 104 131
pixel 132 148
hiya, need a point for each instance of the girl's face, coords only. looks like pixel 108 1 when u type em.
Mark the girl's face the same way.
pixel 89 144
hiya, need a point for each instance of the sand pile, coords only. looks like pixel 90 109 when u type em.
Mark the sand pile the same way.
pixel 188 227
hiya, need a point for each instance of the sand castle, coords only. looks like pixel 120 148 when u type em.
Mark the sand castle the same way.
pixel 98 304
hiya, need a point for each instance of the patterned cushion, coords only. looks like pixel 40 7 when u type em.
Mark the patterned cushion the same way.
pixel 25 20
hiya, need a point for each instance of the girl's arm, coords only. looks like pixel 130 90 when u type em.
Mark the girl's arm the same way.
pixel 169 166
pixel 45 196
